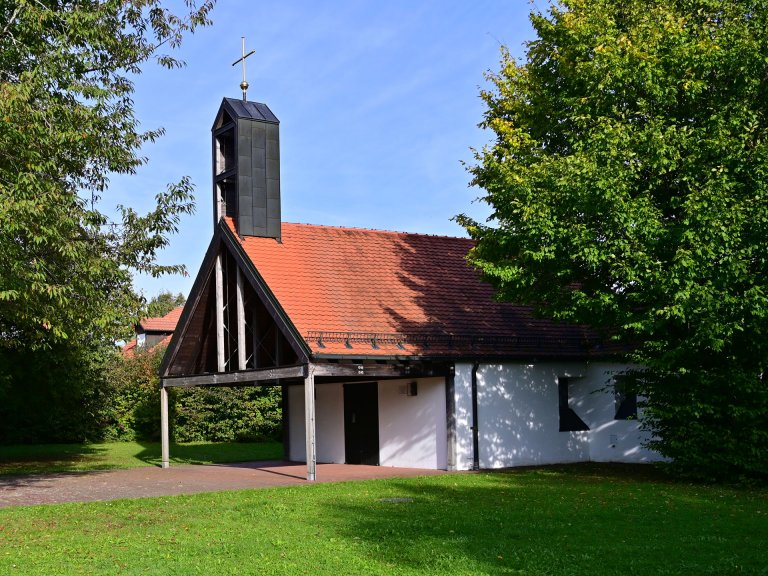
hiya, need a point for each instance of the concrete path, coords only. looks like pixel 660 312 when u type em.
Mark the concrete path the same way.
pixel 145 482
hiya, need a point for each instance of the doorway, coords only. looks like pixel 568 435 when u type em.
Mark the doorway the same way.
pixel 361 423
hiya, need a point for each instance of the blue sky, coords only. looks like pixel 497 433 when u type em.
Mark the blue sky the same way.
pixel 378 106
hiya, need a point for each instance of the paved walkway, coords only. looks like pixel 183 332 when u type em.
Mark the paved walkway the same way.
pixel 145 482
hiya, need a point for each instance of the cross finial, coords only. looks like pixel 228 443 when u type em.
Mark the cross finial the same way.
pixel 244 83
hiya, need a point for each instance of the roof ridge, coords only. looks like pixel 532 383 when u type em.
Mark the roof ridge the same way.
pixel 380 230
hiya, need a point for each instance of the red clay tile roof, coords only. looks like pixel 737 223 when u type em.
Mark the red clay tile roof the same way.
pixel 165 323
pixel 130 348
pixel 358 292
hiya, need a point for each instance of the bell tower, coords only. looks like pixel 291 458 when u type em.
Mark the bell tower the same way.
pixel 246 167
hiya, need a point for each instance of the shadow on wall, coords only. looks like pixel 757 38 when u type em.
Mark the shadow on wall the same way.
pixel 519 418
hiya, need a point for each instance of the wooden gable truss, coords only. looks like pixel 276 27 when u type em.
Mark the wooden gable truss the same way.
pixel 231 324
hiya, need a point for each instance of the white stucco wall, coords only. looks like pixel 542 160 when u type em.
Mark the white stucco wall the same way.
pixel 609 440
pixel 329 423
pixel 518 412
pixel 297 451
pixel 412 429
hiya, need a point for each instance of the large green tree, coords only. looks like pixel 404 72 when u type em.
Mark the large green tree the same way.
pixel 66 123
pixel 628 182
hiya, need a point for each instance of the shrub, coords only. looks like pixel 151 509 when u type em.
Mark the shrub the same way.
pixel 132 411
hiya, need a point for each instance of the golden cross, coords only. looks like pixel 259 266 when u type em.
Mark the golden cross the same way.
pixel 244 83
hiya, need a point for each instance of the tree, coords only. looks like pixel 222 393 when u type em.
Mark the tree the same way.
pixel 66 122
pixel 163 303
pixel 55 394
pixel 628 182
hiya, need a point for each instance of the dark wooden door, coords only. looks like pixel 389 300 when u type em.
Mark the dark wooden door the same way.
pixel 361 423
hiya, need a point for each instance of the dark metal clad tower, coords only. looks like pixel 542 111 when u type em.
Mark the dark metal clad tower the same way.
pixel 246 167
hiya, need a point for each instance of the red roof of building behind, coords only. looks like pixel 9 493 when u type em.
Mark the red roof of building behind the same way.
pixel 129 349
pixel 353 292
pixel 165 323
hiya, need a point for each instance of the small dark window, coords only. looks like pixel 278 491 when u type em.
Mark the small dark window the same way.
pixel 625 399
pixel 569 420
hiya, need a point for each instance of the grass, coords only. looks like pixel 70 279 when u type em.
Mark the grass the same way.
pixel 576 520
pixel 47 458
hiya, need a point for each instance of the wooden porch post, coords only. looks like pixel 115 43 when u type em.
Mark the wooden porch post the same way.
pixel 164 435
pixel 309 416
pixel 219 315
pixel 240 323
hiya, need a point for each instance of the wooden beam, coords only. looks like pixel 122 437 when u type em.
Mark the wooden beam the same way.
pixel 234 378
pixel 240 323
pixel 263 292
pixel 373 370
pixel 285 406
pixel 164 428
pixel 256 333
pixel 220 361
pixel 309 419
pixel 278 347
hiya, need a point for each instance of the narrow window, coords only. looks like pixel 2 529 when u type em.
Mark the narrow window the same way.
pixel 624 398
pixel 569 420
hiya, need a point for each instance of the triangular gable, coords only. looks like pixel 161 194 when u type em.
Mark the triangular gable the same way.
pixel 270 339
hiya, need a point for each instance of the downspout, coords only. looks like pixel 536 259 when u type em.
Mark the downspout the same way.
pixel 450 417
pixel 475 431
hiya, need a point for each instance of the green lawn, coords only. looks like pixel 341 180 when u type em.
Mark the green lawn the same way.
pixel 42 458
pixel 585 520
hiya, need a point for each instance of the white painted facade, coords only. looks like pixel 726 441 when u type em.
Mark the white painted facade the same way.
pixel 412 429
pixel 517 411
pixel 519 418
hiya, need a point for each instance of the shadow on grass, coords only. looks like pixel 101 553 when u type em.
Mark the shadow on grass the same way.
pixel 52 459
pixel 212 452
pixel 554 520
pixel 82 458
